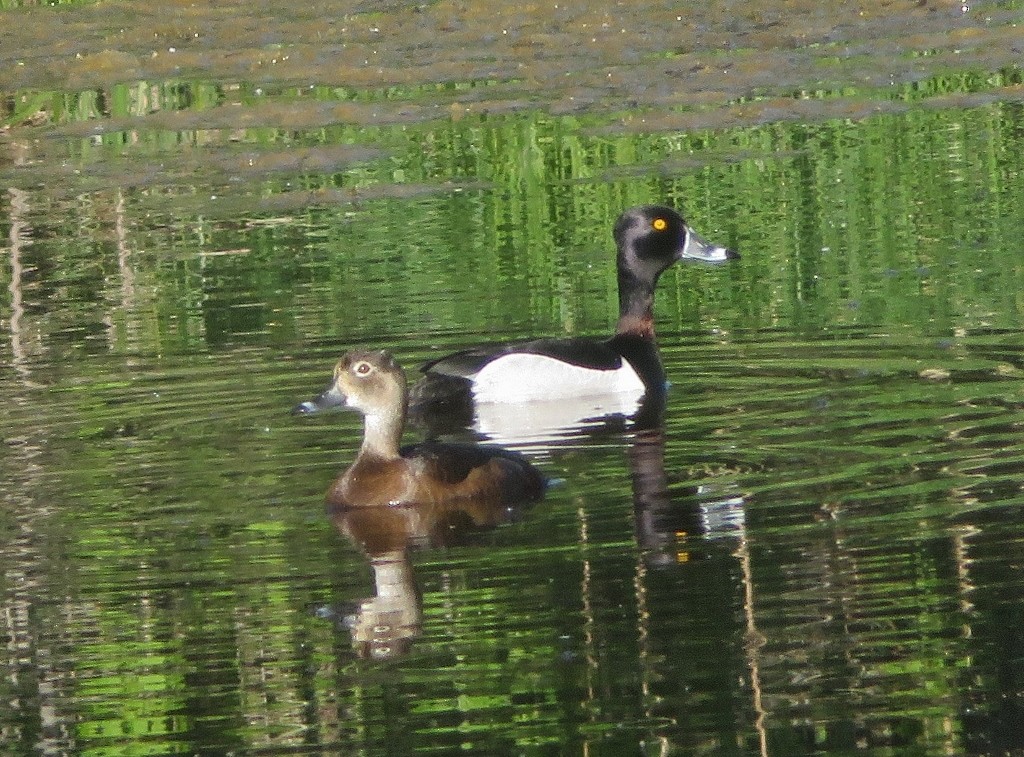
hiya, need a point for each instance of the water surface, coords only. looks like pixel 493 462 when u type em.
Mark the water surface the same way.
pixel 817 552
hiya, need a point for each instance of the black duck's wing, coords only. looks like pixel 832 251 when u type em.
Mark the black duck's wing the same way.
pixel 464 364
pixel 586 353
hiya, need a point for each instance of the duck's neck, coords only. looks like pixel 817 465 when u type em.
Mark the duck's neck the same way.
pixel 382 435
pixel 636 305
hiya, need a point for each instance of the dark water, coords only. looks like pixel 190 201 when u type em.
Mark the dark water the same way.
pixel 818 552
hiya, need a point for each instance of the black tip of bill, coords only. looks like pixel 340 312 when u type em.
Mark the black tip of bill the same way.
pixel 305 408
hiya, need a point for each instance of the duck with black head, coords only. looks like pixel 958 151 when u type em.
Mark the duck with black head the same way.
pixel 387 474
pixel 571 372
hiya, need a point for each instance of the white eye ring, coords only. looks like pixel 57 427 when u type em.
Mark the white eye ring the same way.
pixel 362 368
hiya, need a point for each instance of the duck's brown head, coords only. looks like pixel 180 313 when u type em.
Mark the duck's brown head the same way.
pixel 369 381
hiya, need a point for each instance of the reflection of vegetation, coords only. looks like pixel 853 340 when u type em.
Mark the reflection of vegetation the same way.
pixel 869 222
pixel 195 545
pixel 959 82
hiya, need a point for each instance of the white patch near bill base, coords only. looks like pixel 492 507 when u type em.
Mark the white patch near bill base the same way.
pixel 523 377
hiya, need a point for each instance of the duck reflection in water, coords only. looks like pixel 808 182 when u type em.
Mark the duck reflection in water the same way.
pixel 667 515
pixel 391 498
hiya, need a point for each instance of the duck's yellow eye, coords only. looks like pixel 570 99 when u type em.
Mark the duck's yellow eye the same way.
pixel 362 368
pixel 659 224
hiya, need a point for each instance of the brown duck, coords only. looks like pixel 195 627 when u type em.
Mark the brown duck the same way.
pixel 429 473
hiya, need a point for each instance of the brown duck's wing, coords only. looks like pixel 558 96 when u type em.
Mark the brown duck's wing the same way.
pixel 467 470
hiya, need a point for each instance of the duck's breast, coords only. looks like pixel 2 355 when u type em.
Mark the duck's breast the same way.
pixel 373 483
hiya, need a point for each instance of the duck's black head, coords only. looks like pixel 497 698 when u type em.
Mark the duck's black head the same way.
pixel 650 238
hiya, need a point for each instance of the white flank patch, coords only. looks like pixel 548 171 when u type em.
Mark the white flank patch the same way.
pixel 528 378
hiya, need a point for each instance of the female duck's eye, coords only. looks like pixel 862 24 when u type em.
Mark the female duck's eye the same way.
pixel 362 368
pixel 659 224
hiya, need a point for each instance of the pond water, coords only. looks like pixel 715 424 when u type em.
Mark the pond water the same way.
pixel 818 551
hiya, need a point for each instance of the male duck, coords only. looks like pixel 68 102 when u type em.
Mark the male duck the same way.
pixel 650 238
pixel 430 473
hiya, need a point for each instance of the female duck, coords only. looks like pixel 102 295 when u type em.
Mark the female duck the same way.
pixel 649 238
pixel 430 473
